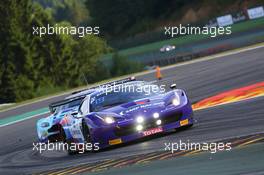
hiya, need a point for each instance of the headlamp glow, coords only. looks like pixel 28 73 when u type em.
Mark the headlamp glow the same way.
pixel 175 101
pixel 156 115
pixel 140 119
pixel 139 127
pixel 109 120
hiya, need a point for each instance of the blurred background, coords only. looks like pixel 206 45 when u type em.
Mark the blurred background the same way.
pixel 131 39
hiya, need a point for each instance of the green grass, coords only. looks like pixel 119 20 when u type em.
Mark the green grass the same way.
pixel 239 27
pixel 49 90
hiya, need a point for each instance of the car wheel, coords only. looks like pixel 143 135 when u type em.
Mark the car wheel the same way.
pixel 68 142
pixel 86 134
pixel 62 135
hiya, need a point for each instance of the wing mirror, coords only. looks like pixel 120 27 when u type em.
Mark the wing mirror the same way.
pixel 173 86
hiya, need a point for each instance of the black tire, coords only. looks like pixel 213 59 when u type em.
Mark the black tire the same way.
pixel 86 132
pixel 86 135
pixel 68 142
pixel 62 136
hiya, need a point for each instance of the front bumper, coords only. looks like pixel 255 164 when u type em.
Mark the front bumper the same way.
pixel 51 133
pixel 126 131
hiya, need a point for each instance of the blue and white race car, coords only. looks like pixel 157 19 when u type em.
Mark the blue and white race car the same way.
pixel 48 129
pixel 111 116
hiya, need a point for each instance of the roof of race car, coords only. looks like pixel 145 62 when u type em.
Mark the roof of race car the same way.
pixel 101 89
pixel 83 93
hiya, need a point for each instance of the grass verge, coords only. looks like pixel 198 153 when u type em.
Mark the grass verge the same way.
pixel 239 27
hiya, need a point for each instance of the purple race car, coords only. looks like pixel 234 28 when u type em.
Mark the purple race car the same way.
pixel 124 112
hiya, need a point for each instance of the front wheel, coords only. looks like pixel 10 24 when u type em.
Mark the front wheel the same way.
pixel 87 137
pixel 86 132
pixel 69 143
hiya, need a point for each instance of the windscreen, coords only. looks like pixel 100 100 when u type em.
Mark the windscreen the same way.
pixel 122 95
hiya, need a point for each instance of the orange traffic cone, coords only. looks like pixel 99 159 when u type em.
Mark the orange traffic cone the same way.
pixel 158 74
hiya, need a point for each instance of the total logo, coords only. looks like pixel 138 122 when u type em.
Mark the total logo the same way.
pixel 152 131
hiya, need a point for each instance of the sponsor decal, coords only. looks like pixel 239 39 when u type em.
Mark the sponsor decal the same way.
pixel 115 141
pixel 184 122
pixel 140 102
pixel 65 121
pixel 224 20
pixel 255 12
pixel 76 133
pixel 141 107
pixel 152 131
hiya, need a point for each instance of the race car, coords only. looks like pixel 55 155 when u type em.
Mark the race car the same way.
pixel 167 48
pixel 113 116
pixel 49 128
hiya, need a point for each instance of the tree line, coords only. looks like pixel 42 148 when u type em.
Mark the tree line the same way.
pixel 33 65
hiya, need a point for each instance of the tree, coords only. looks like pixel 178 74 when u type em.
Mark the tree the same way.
pixel 73 11
pixel 122 65
pixel 89 50
pixel 15 38
pixel 30 63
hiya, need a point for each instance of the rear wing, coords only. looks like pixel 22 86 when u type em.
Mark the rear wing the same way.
pixel 54 106
pixel 112 83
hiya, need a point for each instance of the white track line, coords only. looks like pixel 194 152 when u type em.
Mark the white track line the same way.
pixel 23 119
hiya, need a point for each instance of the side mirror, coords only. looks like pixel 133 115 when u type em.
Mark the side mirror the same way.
pixel 173 86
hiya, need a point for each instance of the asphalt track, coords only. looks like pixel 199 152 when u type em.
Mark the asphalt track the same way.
pixel 200 80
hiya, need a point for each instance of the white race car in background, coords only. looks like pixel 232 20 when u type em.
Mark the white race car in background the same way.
pixel 167 48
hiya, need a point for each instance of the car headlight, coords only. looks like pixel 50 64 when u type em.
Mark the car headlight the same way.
pixel 156 115
pixel 44 124
pixel 175 101
pixel 109 120
pixel 158 122
pixel 140 119
pixel 139 128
